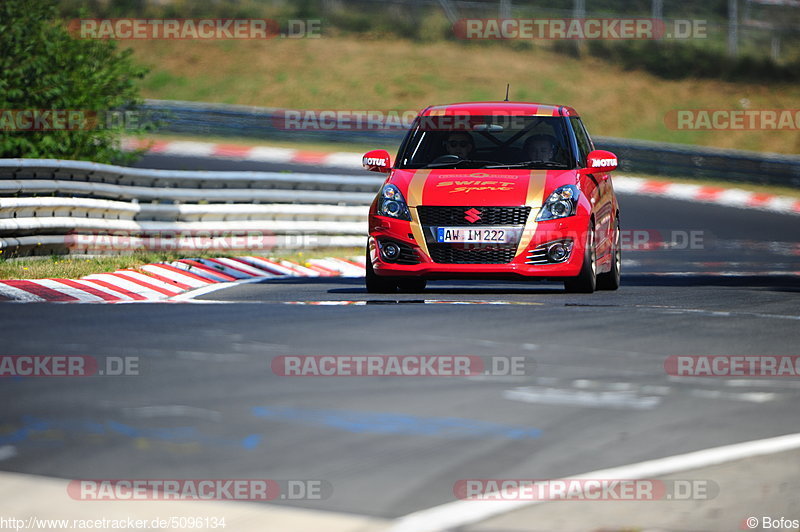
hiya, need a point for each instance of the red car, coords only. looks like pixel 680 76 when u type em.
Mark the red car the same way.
pixel 494 190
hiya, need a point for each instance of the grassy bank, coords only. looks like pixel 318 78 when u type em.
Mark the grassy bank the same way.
pixel 383 74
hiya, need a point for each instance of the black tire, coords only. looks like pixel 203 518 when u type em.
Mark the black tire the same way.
pixel 611 279
pixel 412 285
pixel 586 280
pixel 376 284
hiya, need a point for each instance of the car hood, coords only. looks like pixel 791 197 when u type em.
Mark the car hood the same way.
pixel 479 187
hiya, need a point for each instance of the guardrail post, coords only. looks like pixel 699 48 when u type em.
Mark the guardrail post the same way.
pixel 733 28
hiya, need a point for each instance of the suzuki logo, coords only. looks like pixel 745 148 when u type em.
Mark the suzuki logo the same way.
pixel 472 215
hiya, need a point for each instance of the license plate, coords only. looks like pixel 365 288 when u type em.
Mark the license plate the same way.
pixel 478 235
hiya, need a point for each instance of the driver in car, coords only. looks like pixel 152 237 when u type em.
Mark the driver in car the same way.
pixel 540 148
pixel 459 143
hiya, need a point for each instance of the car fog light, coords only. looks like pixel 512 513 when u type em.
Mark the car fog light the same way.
pixel 390 251
pixel 557 252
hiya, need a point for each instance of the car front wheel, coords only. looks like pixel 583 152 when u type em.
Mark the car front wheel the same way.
pixel 586 281
pixel 377 284
pixel 610 280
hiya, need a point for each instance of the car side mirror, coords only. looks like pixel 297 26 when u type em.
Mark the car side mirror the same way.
pixel 377 161
pixel 600 161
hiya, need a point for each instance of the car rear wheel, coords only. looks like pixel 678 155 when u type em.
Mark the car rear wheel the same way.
pixel 375 283
pixel 586 280
pixel 611 279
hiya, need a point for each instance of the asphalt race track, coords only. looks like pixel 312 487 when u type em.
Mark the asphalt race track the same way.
pixel 595 392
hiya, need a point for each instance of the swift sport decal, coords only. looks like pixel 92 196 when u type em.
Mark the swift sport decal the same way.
pixel 445 188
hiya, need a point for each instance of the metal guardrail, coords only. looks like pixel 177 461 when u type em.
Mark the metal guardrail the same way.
pixel 636 156
pixel 54 206
pixel 641 157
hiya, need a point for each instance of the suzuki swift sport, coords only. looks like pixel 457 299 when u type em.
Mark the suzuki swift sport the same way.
pixel 494 190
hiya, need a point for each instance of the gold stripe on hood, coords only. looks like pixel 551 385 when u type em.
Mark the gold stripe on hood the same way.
pixel 413 199
pixel 534 199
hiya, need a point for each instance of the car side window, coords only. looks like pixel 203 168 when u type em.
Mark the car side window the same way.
pixel 584 142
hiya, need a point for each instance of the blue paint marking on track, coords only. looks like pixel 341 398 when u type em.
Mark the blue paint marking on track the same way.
pixel 390 423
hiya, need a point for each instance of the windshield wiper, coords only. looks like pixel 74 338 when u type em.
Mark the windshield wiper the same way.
pixel 527 164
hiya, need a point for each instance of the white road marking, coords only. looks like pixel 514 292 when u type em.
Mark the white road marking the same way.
pixel 266 153
pixel 343 160
pixel 678 310
pixel 197 292
pixel 602 399
pixel 762 383
pixel 200 149
pixel 7 451
pixel 454 515
pixel 214 357
pixel 750 397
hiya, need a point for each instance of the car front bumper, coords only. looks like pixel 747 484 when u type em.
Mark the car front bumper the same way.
pixel 383 230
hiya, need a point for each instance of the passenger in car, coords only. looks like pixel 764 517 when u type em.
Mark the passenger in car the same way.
pixel 540 148
pixel 459 143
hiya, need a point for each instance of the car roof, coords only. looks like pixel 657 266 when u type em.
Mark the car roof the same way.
pixel 489 108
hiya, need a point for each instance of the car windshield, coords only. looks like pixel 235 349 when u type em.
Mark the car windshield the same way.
pixel 487 142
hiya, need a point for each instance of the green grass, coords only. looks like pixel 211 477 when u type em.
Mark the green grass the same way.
pixel 382 73
pixel 67 267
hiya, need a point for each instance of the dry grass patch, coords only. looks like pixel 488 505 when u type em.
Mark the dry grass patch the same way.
pixel 353 73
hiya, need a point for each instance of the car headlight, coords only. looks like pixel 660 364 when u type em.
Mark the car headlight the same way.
pixel 561 203
pixel 391 203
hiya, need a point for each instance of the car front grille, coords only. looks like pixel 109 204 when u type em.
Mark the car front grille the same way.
pixel 453 254
pixel 436 216
pixel 457 216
